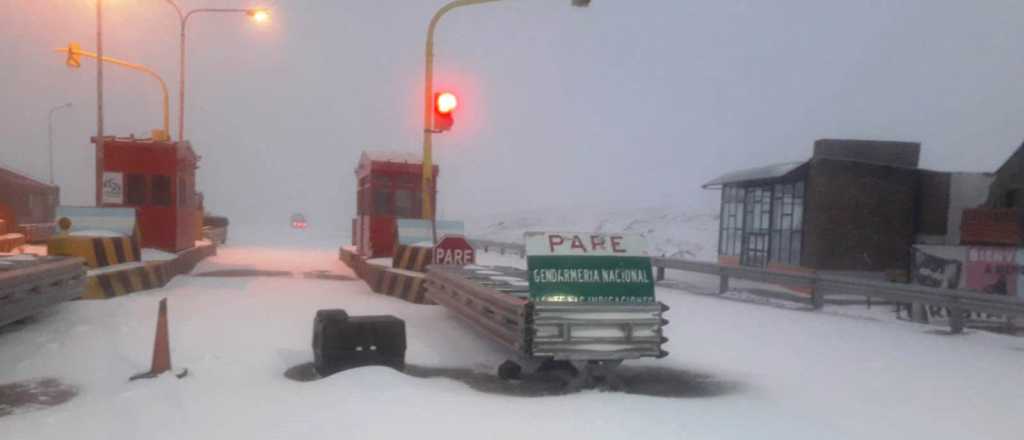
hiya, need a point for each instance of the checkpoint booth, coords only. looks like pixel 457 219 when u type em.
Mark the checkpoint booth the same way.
pixel 158 180
pixel 389 185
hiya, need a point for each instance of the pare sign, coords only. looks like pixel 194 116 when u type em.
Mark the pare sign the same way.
pixel 557 243
pixel 454 249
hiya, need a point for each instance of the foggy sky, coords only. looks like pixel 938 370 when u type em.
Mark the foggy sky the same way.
pixel 634 103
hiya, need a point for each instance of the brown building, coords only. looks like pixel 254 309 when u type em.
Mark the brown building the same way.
pixel 855 206
pixel 26 201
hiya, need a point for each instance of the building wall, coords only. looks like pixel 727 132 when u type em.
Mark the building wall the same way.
pixel 966 191
pixel 859 216
pixel 1007 189
pixel 933 203
pixel 29 203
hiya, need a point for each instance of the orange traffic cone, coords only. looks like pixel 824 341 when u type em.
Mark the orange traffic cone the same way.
pixel 161 348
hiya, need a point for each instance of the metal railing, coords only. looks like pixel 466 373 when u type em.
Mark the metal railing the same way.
pixel 959 302
pixel 498 246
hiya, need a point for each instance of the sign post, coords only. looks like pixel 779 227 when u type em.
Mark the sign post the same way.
pixel 589 268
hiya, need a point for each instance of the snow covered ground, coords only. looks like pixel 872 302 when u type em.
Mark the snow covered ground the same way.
pixel 673 231
pixel 736 371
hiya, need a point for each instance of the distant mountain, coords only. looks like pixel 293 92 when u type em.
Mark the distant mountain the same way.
pixel 675 232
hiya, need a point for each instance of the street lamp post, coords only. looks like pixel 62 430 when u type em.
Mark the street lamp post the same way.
pixel 427 182
pixel 99 104
pixel 259 15
pixel 50 132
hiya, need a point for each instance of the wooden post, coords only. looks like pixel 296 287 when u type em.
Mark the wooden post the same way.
pixel 660 276
pixel 723 284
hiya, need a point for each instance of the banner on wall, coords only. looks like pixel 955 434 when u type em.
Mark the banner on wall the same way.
pixel 942 271
pixel 993 270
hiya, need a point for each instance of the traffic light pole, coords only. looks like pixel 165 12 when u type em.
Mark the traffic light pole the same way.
pixel 427 182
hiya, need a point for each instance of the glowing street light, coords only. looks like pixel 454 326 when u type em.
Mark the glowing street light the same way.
pixel 258 15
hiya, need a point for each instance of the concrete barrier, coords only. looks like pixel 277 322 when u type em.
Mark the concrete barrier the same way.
pixel 414 258
pixel 96 251
pixel 150 275
pixel 402 284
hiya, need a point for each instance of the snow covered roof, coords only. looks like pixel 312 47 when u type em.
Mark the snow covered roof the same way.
pixel 15 176
pixel 392 156
pixel 760 173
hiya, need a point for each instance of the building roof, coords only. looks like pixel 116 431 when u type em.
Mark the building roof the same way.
pixel 760 173
pixel 392 156
pixel 10 175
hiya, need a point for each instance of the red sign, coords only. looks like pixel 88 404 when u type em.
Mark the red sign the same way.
pixel 454 249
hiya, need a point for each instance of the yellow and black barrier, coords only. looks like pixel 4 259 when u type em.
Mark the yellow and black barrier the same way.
pixel 406 286
pixel 414 258
pixel 400 284
pixel 151 275
pixel 122 282
pixel 96 251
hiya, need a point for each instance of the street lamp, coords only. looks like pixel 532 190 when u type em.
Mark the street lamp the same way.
pixel 50 131
pixel 258 15
pixel 73 52
pixel 428 98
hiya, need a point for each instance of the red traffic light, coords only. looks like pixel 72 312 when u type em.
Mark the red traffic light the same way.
pixel 444 104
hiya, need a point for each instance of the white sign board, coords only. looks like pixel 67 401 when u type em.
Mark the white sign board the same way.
pixel 113 188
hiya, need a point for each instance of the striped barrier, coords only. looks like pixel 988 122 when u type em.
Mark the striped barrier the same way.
pixel 122 282
pixel 96 251
pixel 405 285
pixel 10 242
pixel 151 275
pixel 414 258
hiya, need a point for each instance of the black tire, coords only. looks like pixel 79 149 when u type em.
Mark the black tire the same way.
pixel 510 370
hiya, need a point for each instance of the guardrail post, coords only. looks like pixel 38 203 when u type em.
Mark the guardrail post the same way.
pixel 956 320
pixel 503 250
pixel 723 284
pixel 817 299
pixel 660 276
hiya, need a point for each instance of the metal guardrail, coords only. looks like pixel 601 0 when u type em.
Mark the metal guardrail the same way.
pixel 500 247
pixel 28 286
pixel 959 302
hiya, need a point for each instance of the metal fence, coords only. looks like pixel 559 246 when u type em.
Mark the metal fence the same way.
pixel 959 302
pixel 498 246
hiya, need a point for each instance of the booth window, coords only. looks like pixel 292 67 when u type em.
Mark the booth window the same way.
pixel 731 233
pixel 134 189
pixel 404 204
pixel 381 202
pixel 787 222
pixel 161 190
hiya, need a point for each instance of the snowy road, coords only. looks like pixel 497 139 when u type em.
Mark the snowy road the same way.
pixel 741 371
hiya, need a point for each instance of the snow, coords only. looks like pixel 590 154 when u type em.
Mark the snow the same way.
pixel 674 231
pixel 96 233
pixel 739 371
pixel 156 255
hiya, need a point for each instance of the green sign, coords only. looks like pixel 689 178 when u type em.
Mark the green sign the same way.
pixel 589 267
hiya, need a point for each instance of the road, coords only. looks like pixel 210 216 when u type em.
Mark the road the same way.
pixel 736 371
